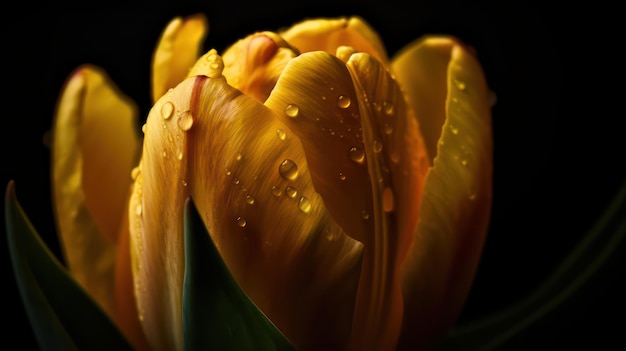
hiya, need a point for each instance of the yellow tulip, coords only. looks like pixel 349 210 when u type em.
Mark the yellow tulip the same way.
pixel 349 193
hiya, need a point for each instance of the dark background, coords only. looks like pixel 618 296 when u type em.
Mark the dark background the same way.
pixel 558 156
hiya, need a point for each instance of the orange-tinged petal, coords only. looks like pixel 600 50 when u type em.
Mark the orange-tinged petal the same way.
pixel 254 63
pixel 250 181
pixel 177 51
pixel 327 34
pixel 456 205
pixel 372 188
pixel 94 146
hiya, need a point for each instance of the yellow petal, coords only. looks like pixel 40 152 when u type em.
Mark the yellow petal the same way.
pixel 330 33
pixel 94 146
pixel 456 205
pixel 368 162
pixel 176 52
pixel 265 217
pixel 254 63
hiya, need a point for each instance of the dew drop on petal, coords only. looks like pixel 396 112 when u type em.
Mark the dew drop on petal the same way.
pixel 389 110
pixel 454 130
pixel 365 214
pixel 180 155
pixel 342 176
pixel 357 155
pixel 185 121
pixel 281 134
pixel 304 205
pixel 388 128
pixel 343 101
pixel 276 190
pixel 241 222
pixel 377 146
pixel 291 191
pixel 138 210
pixel 292 111
pixel 249 200
pixel 238 157
pixel 184 182
pixel 134 173
pixel 288 169
pixel 167 109
pixel 144 127
pixel 459 84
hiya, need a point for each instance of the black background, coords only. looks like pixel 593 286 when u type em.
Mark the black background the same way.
pixel 559 153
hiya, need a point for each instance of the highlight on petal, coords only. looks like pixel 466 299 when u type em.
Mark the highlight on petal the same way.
pixel 178 48
pixel 455 209
pixel 327 34
pixel 94 147
pixel 253 64
pixel 249 179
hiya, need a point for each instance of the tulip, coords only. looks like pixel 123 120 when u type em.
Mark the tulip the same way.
pixel 348 193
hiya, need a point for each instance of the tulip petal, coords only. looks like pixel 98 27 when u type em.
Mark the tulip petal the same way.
pixel 248 177
pixel 357 107
pixel 176 52
pixel 456 205
pixel 254 63
pixel 330 33
pixel 94 147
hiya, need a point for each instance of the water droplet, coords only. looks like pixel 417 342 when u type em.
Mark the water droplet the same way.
pixel 236 180
pixel 238 157
pixel 388 128
pixel 180 155
pixel 184 182
pixel 329 235
pixel 464 162
pixel 164 154
pixel 395 157
pixel 288 169
pixel 144 127
pixel 357 155
pixel 138 210
pixel 241 222
pixel 228 172
pixel 454 130
pixel 281 134
pixel 211 57
pixel 365 214
pixel 134 173
pixel 167 109
pixel 377 146
pixel 342 176
pixel 185 121
pixel 292 111
pixel 459 85
pixel 291 191
pixel 276 190
pixel 214 65
pixel 389 109
pixel 343 101
pixel 388 200
pixel 249 200
pixel 304 205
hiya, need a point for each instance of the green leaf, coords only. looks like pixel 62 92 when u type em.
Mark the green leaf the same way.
pixel 62 315
pixel 217 314
pixel 574 273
